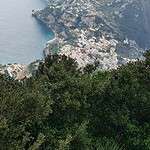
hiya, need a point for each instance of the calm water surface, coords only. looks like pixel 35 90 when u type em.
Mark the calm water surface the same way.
pixel 22 37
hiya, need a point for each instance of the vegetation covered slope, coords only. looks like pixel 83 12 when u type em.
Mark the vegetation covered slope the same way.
pixel 63 108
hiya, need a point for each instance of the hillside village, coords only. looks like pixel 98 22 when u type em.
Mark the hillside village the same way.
pixel 87 32
pixel 93 31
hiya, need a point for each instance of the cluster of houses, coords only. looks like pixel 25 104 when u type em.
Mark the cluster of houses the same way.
pixel 15 71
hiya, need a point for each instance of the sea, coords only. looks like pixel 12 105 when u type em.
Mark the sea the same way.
pixel 22 37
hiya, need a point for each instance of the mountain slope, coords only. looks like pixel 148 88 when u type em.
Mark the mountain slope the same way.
pixel 110 32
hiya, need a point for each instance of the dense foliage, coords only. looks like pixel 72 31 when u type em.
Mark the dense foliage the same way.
pixel 62 107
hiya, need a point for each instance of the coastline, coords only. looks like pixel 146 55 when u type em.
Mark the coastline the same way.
pixel 51 41
pixel 88 40
pixel 83 42
pixel 20 71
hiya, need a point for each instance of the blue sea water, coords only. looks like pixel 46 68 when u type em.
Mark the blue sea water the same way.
pixel 22 37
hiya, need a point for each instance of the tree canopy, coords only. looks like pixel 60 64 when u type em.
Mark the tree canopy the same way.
pixel 64 108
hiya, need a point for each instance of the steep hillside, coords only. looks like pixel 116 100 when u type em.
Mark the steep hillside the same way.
pixel 62 108
pixel 110 32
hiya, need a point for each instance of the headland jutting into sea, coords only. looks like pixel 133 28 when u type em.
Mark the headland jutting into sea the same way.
pixel 89 33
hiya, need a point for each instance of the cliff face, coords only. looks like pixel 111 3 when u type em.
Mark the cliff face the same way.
pixel 111 32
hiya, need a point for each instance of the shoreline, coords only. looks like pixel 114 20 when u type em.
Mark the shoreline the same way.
pixel 87 40
pixel 87 48
pixel 20 71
